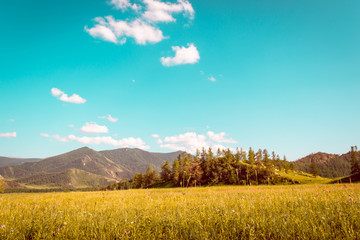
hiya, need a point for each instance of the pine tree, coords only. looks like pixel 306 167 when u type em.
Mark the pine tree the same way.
pixel 251 157
pixel 175 171
pixel 355 168
pixel 165 171
pixel 138 180
pixel 314 169
pixel 150 176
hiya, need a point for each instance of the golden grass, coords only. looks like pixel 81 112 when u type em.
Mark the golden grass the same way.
pixel 227 212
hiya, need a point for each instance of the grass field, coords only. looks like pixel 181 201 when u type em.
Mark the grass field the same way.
pixel 241 212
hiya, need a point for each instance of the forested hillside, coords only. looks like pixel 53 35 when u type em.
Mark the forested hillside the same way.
pixel 328 165
pixel 83 167
pixel 208 168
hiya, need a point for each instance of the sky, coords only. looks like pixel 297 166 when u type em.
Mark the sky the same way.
pixel 178 75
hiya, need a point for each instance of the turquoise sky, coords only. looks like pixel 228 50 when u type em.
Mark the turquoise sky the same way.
pixel 282 75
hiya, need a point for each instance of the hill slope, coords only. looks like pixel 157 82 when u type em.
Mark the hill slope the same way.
pixel 137 160
pixel 84 159
pixel 71 178
pixel 84 167
pixel 8 161
pixel 329 165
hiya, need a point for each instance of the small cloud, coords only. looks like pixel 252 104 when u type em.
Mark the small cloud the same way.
pixel 56 137
pixel 12 120
pixel 212 79
pixel 71 125
pixel 183 55
pixel 107 140
pixel 133 81
pixel 8 135
pixel 124 4
pixel 92 127
pixel 158 11
pixel 220 137
pixel 155 136
pixel 116 31
pixel 190 141
pixel 65 98
pixel 207 127
pixel 110 118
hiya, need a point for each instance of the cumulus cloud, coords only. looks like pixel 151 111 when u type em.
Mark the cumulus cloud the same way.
pixel 110 118
pixel 158 11
pixel 143 28
pixel 125 142
pixel 124 4
pixel 220 137
pixel 92 127
pixel 8 135
pixel 155 136
pixel 183 55
pixel 117 31
pixel 191 141
pixel 64 97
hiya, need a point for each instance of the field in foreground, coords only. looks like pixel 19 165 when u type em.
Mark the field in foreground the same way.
pixel 241 212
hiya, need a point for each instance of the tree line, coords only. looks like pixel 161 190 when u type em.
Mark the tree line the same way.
pixel 209 168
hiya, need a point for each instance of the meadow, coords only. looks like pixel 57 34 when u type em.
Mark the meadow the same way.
pixel 315 211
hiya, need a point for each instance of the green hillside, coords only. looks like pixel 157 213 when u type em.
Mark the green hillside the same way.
pixel 137 160
pixel 71 178
pixel 329 165
pixel 84 159
pixel 83 168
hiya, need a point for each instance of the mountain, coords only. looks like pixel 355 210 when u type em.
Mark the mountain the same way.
pixel 84 167
pixel 71 178
pixel 137 160
pixel 329 165
pixel 84 159
pixel 8 161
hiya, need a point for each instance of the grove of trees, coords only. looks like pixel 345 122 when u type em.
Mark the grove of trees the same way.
pixel 209 168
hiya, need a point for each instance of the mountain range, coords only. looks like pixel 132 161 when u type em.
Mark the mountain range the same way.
pixel 83 167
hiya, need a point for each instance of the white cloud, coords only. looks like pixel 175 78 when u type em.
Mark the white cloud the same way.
pixel 191 141
pixel 212 79
pixel 56 137
pixel 155 136
pixel 8 135
pixel 56 92
pixel 143 28
pixel 183 55
pixel 158 11
pixel 12 120
pixel 64 97
pixel 125 142
pixel 117 31
pixel 110 118
pixel 71 125
pixel 93 128
pixel 220 137
pixel 124 4
pixel 102 32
